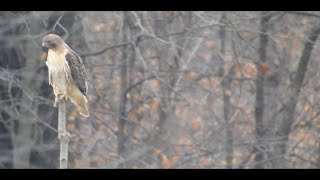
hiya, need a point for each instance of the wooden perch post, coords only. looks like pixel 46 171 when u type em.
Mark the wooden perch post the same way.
pixel 64 136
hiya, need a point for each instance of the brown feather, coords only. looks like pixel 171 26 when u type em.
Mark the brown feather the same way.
pixel 43 56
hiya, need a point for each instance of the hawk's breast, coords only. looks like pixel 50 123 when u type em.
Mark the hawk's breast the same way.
pixel 58 72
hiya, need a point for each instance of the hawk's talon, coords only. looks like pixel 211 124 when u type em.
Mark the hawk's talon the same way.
pixel 57 99
pixel 64 136
pixel 60 96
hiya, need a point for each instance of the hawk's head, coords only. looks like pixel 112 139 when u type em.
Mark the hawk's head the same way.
pixel 51 41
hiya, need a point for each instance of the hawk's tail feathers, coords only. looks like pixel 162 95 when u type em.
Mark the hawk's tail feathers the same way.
pixel 84 111
pixel 79 100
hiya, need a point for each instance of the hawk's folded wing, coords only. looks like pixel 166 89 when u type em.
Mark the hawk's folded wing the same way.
pixel 77 71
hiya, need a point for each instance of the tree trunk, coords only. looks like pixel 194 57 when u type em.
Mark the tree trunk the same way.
pixel 123 87
pixel 259 149
pixel 284 127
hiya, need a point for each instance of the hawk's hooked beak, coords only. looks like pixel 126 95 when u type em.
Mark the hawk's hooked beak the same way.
pixel 46 45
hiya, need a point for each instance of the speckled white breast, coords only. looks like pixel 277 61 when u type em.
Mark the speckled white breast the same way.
pixel 58 72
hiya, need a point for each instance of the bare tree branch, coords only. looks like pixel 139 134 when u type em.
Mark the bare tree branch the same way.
pixel 64 136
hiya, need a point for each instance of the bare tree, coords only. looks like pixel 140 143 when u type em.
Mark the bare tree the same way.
pixel 169 89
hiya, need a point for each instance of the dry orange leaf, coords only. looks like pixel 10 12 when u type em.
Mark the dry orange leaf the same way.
pixel 73 115
pixel 296 43
pixel 165 162
pixel 154 104
pixel 98 27
pixel 175 160
pixel 247 34
pixel 191 76
pixel 155 85
pixel 206 55
pixel 196 123
pixel 157 152
pixel 249 70
pixel 136 96
pixel 264 68
pixel 183 141
pixel 139 75
pixel 204 83
pixel 154 62
pixel 306 108
pixel 209 44
pixel 206 161
pixel 132 117
pixel 112 23
pixel 71 126
pixel 135 141
pixel 214 81
pixel 100 161
pixel 169 163
pixel 102 127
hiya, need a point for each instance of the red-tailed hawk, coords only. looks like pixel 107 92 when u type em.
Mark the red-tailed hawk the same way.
pixel 66 72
